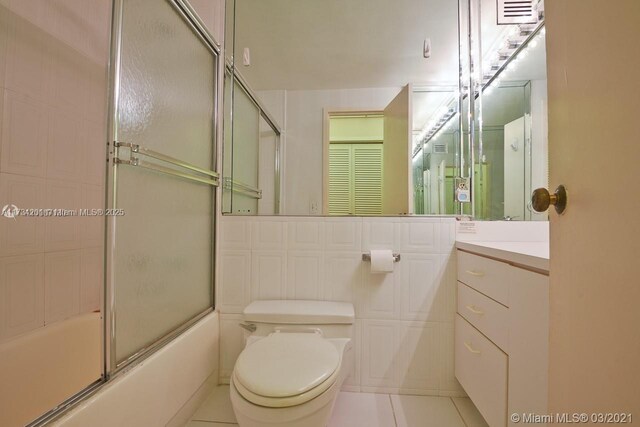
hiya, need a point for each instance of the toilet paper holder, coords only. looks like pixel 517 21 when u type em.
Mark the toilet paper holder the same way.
pixel 367 257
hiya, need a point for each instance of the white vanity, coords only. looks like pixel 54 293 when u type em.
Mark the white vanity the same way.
pixel 502 327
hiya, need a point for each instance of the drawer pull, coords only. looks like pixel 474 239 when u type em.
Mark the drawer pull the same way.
pixel 466 344
pixel 475 273
pixel 472 308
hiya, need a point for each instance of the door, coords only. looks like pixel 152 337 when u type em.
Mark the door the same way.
pixel 160 250
pixel 514 169
pixel 397 192
pixel 594 100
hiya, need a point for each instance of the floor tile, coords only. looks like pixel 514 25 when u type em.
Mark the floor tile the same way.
pixel 362 410
pixel 425 411
pixel 217 407
pixel 469 412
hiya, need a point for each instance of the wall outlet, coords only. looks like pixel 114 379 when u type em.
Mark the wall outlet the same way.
pixel 314 207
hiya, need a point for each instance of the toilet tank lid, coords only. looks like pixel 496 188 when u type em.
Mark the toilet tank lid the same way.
pixel 300 312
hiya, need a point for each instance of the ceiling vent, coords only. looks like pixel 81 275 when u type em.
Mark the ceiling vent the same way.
pixel 517 12
pixel 439 148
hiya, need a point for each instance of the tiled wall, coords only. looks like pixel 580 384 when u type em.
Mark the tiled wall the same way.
pixel 404 320
pixel 53 57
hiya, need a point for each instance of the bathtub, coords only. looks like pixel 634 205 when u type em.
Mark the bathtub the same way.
pixel 41 369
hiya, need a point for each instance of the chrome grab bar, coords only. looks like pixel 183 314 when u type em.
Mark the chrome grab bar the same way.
pixel 135 161
pixel 239 187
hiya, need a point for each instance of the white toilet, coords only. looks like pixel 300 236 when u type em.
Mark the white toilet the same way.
pixel 294 362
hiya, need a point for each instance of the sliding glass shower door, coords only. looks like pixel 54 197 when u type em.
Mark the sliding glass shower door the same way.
pixel 160 275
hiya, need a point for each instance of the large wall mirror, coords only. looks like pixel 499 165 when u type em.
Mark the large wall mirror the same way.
pixel 384 108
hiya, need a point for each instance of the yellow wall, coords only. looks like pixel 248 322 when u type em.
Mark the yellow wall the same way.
pixel 356 128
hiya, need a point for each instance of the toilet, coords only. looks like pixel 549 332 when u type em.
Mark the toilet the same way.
pixel 293 364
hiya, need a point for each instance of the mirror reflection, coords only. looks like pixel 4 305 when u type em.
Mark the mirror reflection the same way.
pixel 362 109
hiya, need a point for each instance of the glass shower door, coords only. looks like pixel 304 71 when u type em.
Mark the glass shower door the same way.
pixel 162 180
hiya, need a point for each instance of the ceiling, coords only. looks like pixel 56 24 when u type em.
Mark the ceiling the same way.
pixel 344 44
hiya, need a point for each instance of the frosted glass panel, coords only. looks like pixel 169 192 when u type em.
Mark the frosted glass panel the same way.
pixel 163 243
pixel 246 134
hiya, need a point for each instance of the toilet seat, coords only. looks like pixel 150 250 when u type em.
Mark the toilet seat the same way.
pixel 286 369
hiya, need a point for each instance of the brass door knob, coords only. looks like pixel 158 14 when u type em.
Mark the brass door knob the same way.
pixel 541 199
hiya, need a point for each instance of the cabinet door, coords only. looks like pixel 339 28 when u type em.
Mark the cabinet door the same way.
pixel 528 342
pixel 481 368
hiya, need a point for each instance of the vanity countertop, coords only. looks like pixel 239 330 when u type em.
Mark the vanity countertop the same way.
pixel 527 254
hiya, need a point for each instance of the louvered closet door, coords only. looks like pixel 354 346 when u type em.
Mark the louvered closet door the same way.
pixel 340 179
pixel 355 179
pixel 367 175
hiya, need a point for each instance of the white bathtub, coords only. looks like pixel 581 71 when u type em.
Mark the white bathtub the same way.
pixel 41 369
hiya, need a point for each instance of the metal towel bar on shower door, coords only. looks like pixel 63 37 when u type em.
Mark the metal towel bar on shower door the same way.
pixel 212 177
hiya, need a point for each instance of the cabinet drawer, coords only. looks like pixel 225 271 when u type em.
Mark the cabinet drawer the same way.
pixel 481 368
pixel 488 316
pixel 485 275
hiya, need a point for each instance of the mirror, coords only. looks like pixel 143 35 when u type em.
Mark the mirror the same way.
pixel 511 147
pixel 338 108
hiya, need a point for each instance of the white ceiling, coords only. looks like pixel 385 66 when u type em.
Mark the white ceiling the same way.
pixel 339 44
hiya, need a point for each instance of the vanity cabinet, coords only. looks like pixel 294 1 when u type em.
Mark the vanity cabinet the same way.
pixel 501 336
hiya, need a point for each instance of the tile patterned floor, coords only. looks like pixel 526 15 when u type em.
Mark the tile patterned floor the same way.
pixel 363 410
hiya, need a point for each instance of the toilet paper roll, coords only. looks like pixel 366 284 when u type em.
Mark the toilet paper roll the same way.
pixel 381 261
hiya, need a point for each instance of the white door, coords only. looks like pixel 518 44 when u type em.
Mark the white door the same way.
pixel 593 57
pixel 514 169
pixel 397 186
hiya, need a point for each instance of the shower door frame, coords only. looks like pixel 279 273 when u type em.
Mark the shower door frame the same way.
pixel 111 367
pixel 237 78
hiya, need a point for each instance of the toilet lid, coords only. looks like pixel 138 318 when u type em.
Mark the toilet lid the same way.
pixel 286 364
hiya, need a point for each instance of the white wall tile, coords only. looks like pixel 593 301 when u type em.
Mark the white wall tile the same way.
pixel 381 233
pixel 343 276
pixel 21 294
pixel 63 233
pixel 305 234
pixel 380 356
pixel 235 233
pixel 428 292
pixel 502 231
pixel 62 285
pixel 382 293
pixel 269 234
pixel 21 235
pixel 420 235
pixel 24 135
pixel 232 340
pixel 234 286
pixel 305 275
pixel 268 275
pixel 92 227
pixel 420 349
pixel 68 82
pixel 27 64
pixel 66 139
pixel 91 274
pixel 95 153
pixel 447 235
pixel 343 234
pixel 352 382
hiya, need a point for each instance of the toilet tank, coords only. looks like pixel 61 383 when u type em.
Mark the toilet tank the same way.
pixel 300 312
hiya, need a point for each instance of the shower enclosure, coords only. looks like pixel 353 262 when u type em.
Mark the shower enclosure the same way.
pixel 160 254
pixel 128 264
